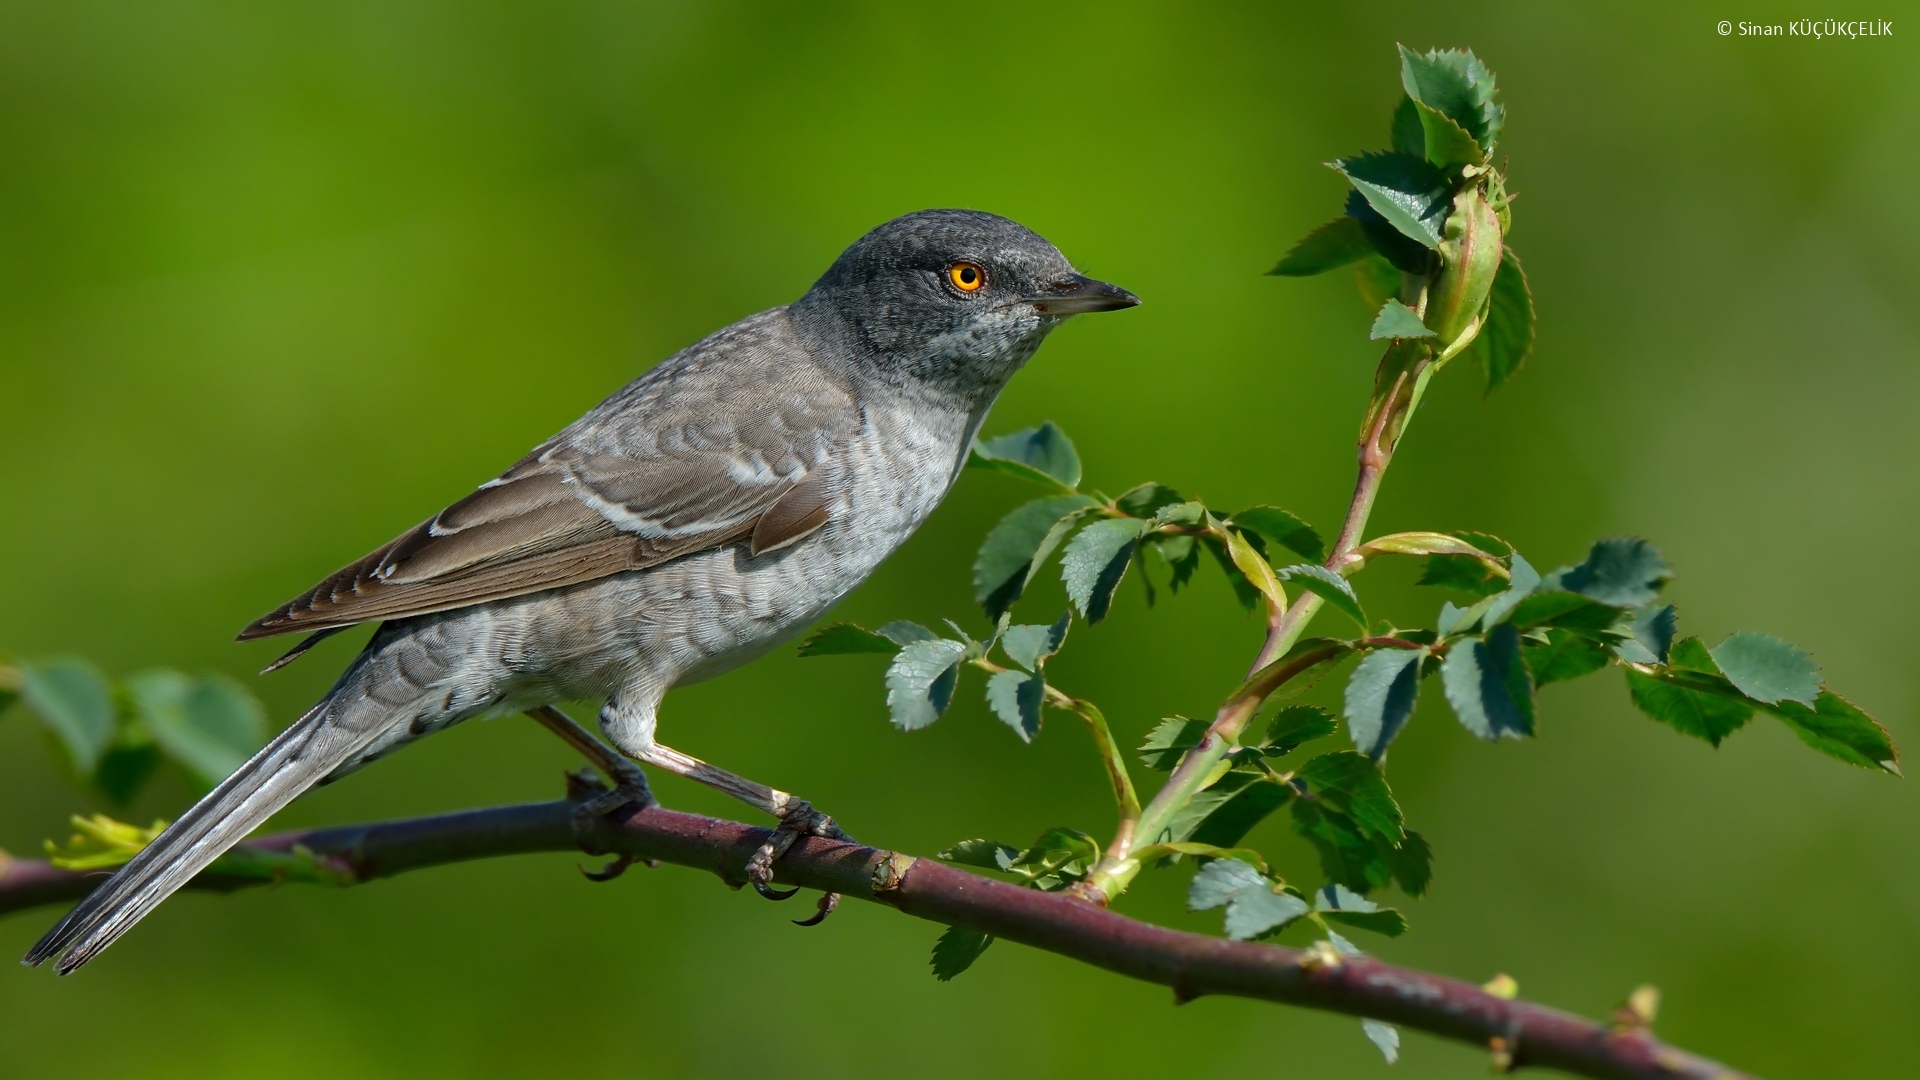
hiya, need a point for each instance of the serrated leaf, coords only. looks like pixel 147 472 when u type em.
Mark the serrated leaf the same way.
pixel 1015 697
pixel 1282 528
pixel 1447 144
pixel 1767 669
pixel 920 682
pixel 1044 454
pixel 1096 560
pixel 1341 904
pixel 1624 571
pixel 1408 136
pixel 1017 547
pixel 1397 320
pixel 1400 251
pixel 1572 611
pixel 1295 726
pixel 956 951
pixel 1225 813
pixel 1456 83
pixel 1407 191
pixel 1170 739
pixel 1412 864
pixel 906 632
pixel 1328 247
pixel 1030 645
pixel 1651 633
pixel 1058 858
pixel 1522 580
pixel 1384 1037
pixel 1839 728
pixel 1462 573
pixel 1350 783
pixel 1381 694
pixel 846 638
pixel 988 854
pixel 1147 500
pixel 74 701
pixel 1565 655
pixel 210 725
pixel 1506 331
pixel 1487 683
pixel 1702 715
pixel 1253 906
pixel 1328 586
pixel 1347 854
pixel 1180 513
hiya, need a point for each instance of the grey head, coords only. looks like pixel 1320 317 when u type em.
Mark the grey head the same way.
pixel 955 298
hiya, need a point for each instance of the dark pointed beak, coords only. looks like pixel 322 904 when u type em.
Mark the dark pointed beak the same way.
pixel 1074 294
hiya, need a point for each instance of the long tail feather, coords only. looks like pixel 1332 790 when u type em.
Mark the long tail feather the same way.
pixel 300 757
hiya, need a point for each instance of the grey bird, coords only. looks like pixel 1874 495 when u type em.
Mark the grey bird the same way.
pixel 690 523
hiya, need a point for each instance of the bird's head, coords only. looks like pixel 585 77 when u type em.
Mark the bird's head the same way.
pixel 954 297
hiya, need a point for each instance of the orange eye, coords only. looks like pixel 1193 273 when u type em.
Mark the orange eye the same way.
pixel 966 276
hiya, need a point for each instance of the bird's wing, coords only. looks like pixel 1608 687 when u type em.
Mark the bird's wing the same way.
pixel 698 454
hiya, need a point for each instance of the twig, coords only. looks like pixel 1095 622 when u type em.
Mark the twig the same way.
pixel 1192 964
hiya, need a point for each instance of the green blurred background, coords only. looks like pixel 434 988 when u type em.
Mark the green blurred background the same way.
pixel 279 280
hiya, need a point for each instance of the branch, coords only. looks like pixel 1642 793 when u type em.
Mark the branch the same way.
pixel 1194 965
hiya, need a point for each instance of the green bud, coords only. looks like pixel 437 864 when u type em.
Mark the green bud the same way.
pixel 1470 254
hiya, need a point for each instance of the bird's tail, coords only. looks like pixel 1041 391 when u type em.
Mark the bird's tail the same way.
pixel 305 753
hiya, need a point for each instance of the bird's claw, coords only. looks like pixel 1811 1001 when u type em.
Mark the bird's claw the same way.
pixel 800 819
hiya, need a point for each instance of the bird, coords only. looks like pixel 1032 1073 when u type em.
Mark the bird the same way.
pixel 709 511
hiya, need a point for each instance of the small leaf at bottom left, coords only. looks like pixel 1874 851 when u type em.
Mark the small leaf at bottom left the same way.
pixel 956 951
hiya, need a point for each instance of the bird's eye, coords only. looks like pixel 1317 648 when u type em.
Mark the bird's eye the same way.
pixel 966 276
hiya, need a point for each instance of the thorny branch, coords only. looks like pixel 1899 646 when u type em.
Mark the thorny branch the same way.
pixel 1518 1034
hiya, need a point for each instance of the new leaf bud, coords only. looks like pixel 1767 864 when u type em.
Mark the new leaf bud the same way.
pixel 1470 254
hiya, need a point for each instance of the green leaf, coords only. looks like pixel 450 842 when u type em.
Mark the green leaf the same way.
pixel 1293 727
pixel 1350 783
pixel 1243 590
pixel 1651 635
pixel 1488 685
pixel 1397 320
pixel 1044 454
pixel 1447 144
pixel 1095 562
pixel 1384 1037
pixel 1400 251
pixel 1254 906
pixel 1347 854
pixel 956 951
pixel 1553 607
pixel 1522 580
pixel 1506 331
pixel 74 701
pixel 1015 697
pixel 920 682
pixel 1462 573
pixel 1030 645
pixel 1173 737
pixel 988 854
pixel 1839 728
pixel 1456 83
pixel 125 769
pixel 211 725
pixel 1380 697
pixel 1341 904
pixel 1565 655
pixel 1624 571
pixel 1225 813
pixel 1058 858
pixel 1328 586
pixel 845 637
pixel 1328 247
pixel 1691 654
pixel 1017 547
pixel 906 632
pixel 1409 192
pixel 1702 715
pixel 1409 137
pixel 1280 527
pixel 1767 669
pixel 1147 500
pixel 1412 864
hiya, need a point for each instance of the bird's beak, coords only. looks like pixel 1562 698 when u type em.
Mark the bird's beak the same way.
pixel 1076 293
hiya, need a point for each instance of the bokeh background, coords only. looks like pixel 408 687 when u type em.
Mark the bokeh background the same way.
pixel 279 280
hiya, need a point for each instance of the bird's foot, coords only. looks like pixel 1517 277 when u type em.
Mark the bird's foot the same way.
pixel 800 819
pixel 592 799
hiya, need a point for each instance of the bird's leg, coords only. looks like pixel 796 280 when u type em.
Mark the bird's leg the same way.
pixel 632 731
pixel 629 783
